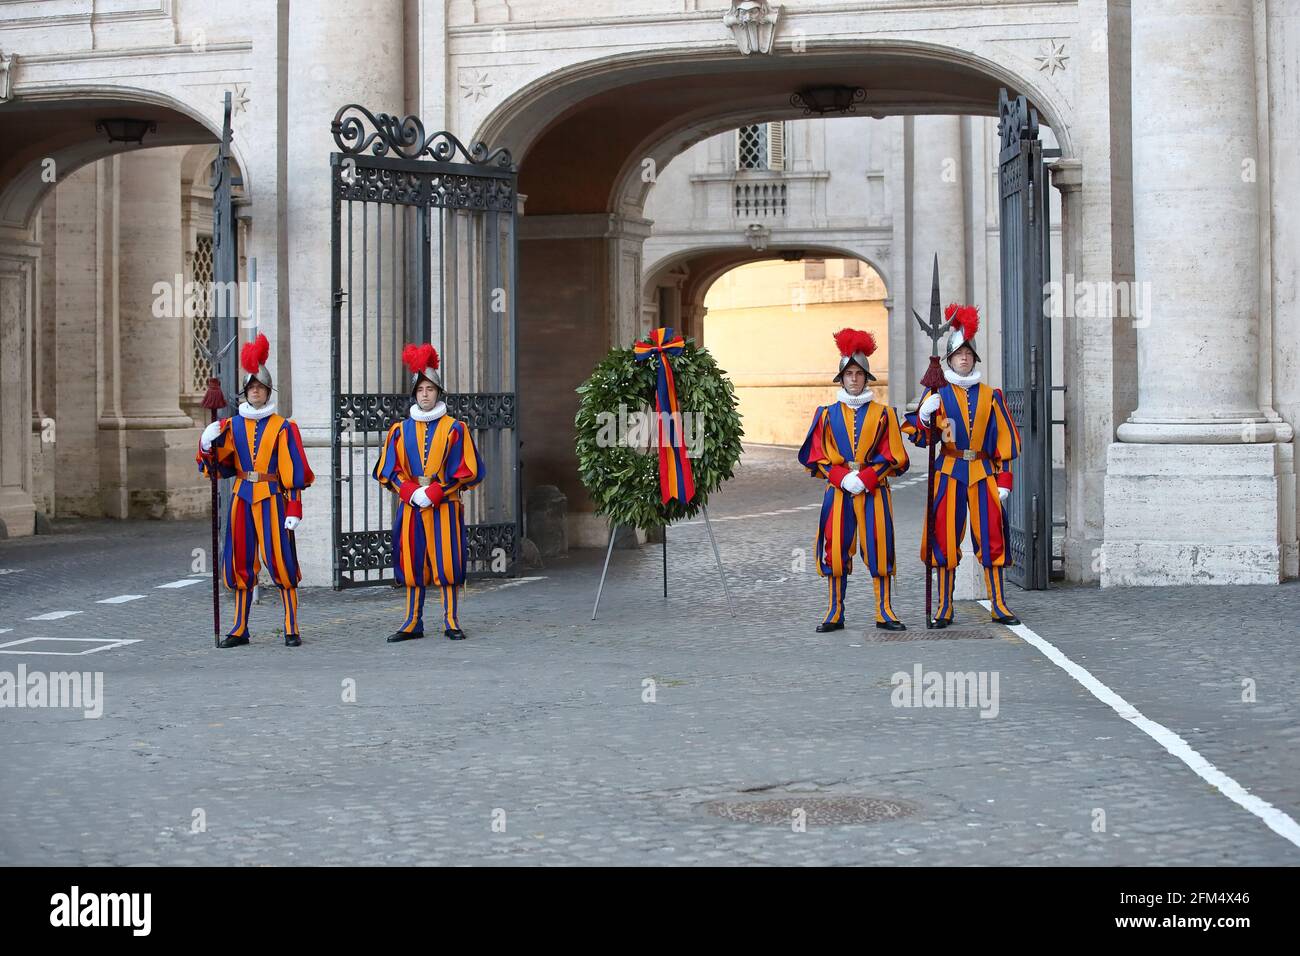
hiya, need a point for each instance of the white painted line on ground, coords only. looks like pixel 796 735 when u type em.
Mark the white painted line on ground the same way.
pixel 182 583
pixel 1276 820
pixel 53 616
pixel 512 583
pixel 5 630
pixel 121 599
pixel 104 645
pixel 760 514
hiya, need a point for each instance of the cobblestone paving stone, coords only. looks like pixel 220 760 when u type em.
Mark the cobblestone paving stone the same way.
pixel 539 719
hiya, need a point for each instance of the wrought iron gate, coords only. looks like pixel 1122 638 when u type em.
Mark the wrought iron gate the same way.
pixel 422 250
pixel 1026 338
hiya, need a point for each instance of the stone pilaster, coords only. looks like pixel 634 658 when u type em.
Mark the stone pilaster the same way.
pixel 150 442
pixel 19 254
pixel 338 54
pixel 938 225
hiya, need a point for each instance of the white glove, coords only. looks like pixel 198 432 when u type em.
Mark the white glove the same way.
pixel 852 483
pixel 210 435
pixel 420 498
pixel 1003 493
pixel 928 406
pixel 291 522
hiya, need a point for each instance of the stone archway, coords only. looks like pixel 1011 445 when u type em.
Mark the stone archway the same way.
pixel 73 376
pixel 584 139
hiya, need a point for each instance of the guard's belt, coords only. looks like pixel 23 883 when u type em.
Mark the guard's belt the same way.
pixel 966 454
pixel 258 476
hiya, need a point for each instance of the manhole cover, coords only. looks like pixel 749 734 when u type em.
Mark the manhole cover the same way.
pixel 818 811
pixel 929 634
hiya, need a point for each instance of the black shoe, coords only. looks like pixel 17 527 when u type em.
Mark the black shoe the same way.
pixel 891 625
pixel 826 626
pixel 232 641
pixel 292 640
pixel 455 634
pixel 940 622
pixel 405 636
pixel 1009 619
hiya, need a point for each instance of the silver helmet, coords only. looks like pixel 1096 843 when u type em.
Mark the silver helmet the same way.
pixel 423 362
pixel 965 323
pixel 855 348
pixel 252 358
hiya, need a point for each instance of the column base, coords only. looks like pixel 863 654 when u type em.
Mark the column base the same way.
pixel 315 536
pixel 586 529
pixel 1179 514
pixel 17 512
pixel 969 582
pixel 150 473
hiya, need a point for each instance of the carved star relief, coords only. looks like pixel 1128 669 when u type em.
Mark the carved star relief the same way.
pixel 239 99
pixel 1052 58
pixel 474 84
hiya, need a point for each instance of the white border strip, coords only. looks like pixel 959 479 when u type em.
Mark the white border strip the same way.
pixel 1276 820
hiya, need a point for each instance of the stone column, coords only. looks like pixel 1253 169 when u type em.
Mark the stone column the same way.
pixel 19 253
pixel 1193 484
pixel 150 256
pixel 938 224
pixel 338 54
pixel 151 439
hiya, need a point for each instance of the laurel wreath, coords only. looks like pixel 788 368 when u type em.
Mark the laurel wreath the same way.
pixel 623 481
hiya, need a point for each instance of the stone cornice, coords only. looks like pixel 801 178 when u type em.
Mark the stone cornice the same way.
pixel 233 46
pixel 715 16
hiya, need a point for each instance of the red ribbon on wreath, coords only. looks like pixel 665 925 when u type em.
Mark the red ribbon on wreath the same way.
pixel 675 478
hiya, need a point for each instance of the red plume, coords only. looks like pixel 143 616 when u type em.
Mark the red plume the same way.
pixel 254 354
pixel 965 317
pixel 855 340
pixel 419 357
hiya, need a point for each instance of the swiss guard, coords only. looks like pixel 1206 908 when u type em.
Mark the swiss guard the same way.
pixel 428 461
pixel 972 477
pixel 855 445
pixel 263 452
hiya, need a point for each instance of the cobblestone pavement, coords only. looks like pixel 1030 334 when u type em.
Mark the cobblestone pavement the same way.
pixel 533 742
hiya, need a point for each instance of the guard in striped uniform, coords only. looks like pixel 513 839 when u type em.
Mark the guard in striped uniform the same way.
pixel 428 461
pixel 855 445
pixel 263 452
pixel 973 474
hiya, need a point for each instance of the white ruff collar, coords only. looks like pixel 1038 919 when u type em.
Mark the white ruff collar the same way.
pixel 965 381
pixel 248 411
pixel 855 401
pixel 419 415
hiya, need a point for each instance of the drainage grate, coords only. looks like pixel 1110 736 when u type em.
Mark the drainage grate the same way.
pixel 819 811
pixel 929 634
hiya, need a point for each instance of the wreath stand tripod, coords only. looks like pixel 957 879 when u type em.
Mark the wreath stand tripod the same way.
pixel 717 556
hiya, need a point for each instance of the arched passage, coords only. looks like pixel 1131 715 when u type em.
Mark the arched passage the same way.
pixel 93 324
pixel 590 144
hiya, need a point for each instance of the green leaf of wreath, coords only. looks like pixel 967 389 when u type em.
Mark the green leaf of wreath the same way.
pixel 624 482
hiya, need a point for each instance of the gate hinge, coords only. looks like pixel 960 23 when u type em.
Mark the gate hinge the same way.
pixel 1033 519
pixel 1033 367
pixel 339 296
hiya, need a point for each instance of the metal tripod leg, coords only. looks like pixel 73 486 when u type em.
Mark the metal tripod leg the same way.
pixel 612 531
pixel 718 557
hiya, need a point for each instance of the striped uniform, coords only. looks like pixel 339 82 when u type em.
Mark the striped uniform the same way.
pixel 841 435
pixel 429 543
pixel 978 441
pixel 255 533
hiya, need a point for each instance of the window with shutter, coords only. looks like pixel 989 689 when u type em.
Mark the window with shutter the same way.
pixel 776 146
